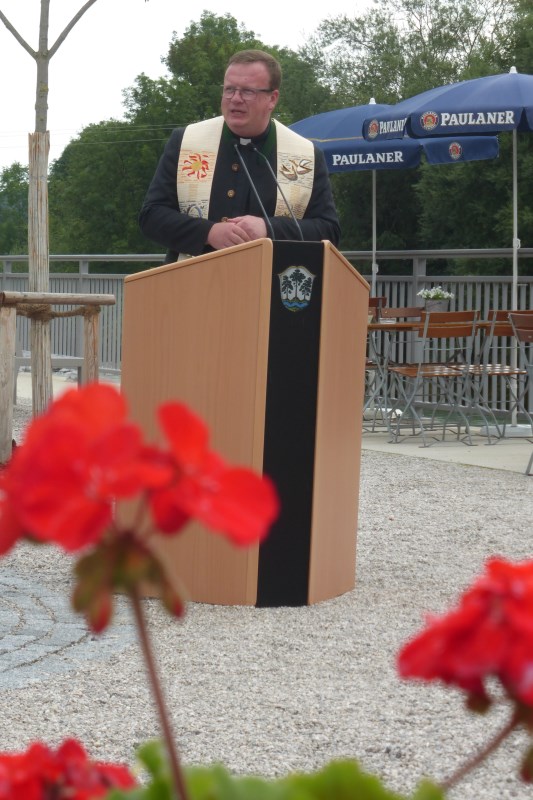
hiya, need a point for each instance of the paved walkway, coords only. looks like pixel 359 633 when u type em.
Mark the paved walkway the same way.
pixel 511 454
pixel 40 635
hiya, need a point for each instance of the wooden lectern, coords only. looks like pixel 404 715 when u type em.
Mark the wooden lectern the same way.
pixel 267 342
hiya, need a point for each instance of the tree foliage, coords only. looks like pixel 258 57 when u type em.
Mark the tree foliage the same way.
pixel 14 209
pixel 400 48
pixel 96 187
pixel 98 183
pixel 394 50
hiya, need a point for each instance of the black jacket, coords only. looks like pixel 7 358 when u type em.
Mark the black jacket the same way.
pixel 231 196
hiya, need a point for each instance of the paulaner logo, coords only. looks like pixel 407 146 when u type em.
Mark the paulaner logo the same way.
pixel 429 120
pixel 455 150
pixel 390 126
pixel 296 285
pixel 373 129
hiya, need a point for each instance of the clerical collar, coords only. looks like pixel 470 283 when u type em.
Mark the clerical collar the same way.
pixel 264 142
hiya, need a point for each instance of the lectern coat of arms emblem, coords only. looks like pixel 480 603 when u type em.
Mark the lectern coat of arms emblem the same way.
pixel 296 286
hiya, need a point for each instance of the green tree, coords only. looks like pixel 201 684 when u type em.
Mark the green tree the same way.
pixel 472 207
pixel 396 211
pixel 197 62
pixel 96 189
pixel 98 183
pixel 400 48
pixel 14 209
pixel 198 59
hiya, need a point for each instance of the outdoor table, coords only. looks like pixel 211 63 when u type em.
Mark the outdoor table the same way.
pixel 380 348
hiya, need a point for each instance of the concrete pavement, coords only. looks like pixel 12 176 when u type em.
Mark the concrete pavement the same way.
pixel 40 635
pixel 62 380
pixel 511 453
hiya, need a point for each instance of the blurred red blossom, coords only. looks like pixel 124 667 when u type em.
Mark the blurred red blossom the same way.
pixel 488 635
pixel 82 455
pixel 65 774
pixel 233 500
pixel 76 459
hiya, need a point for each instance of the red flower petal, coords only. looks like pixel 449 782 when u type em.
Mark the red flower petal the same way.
pixel 489 634
pixel 186 433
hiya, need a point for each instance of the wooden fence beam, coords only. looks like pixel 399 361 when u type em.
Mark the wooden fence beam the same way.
pixel 56 299
pixel 10 302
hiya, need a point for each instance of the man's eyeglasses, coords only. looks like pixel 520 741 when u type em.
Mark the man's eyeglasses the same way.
pixel 246 94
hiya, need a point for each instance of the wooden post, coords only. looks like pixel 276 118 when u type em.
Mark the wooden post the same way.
pixel 8 327
pixel 9 302
pixel 90 371
pixel 41 362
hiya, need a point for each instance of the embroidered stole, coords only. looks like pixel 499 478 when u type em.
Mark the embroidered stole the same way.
pixel 197 159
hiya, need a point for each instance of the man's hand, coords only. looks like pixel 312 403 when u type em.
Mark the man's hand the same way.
pixel 236 231
pixel 226 234
pixel 255 227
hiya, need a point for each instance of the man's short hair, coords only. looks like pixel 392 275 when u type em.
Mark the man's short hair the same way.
pixel 251 56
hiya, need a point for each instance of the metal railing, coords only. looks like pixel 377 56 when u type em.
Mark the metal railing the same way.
pixel 471 291
pixel 66 333
pixel 480 292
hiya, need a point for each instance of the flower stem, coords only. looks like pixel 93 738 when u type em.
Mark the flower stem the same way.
pixel 175 766
pixel 477 759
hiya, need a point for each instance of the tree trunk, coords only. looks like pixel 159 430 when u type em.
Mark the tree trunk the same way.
pixel 41 364
pixel 38 244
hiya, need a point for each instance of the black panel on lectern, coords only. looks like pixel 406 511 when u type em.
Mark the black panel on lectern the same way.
pixel 290 425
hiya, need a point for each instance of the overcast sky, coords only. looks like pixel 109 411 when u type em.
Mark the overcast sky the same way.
pixel 114 42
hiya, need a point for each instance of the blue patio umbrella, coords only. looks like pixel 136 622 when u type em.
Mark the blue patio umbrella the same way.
pixel 339 135
pixel 488 105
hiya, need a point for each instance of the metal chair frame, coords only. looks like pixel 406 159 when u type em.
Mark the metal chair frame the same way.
pixel 446 379
pixel 377 376
pixel 485 368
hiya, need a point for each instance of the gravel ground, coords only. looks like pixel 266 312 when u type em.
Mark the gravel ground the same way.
pixel 271 691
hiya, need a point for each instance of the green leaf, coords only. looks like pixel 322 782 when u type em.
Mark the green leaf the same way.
pixel 216 783
pixel 340 780
pixel 153 756
pixel 428 791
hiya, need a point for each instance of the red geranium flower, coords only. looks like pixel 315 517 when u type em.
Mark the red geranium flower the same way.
pixel 489 634
pixel 233 500
pixel 82 455
pixel 66 774
pixel 76 459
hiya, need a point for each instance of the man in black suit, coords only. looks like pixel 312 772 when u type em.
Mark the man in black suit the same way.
pixel 201 197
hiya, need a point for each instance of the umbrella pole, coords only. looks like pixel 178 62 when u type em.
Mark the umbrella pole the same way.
pixel 516 430
pixel 374 235
pixel 516 240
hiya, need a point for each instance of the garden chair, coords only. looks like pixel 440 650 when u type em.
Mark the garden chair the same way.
pixel 495 362
pixel 438 380
pixel 382 347
pixel 375 305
